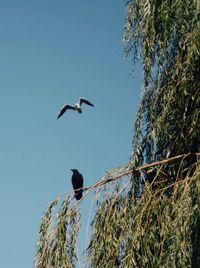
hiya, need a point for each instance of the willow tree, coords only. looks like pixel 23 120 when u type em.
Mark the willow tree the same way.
pixel 148 211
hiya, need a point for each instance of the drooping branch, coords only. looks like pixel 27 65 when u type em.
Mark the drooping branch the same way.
pixel 105 180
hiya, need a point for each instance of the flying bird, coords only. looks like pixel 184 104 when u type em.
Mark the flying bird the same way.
pixel 76 106
pixel 77 183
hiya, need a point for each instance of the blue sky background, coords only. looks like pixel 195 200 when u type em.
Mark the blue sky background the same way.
pixel 51 53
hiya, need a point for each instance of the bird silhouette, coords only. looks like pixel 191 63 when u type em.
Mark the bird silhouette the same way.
pixel 76 106
pixel 77 183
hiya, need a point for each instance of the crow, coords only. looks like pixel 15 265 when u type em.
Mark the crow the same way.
pixel 76 106
pixel 77 182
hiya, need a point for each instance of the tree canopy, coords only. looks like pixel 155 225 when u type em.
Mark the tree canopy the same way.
pixel 148 211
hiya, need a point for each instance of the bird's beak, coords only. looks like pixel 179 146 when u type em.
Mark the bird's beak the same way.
pixel 72 170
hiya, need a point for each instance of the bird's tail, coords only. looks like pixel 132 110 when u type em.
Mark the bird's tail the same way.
pixel 78 194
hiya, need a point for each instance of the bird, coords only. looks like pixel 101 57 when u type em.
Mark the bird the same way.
pixel 76 106
pixel 77 183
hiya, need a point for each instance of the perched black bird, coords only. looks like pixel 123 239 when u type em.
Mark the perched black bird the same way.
pixel 76 106
pixel 77 182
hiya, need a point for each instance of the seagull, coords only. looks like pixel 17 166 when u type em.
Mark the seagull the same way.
pixel 76 106
pixel 77 182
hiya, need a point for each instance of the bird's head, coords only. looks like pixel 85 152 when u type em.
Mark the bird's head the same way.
pixel 75 171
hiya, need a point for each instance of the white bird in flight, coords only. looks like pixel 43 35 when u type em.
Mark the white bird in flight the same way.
pixel 76 106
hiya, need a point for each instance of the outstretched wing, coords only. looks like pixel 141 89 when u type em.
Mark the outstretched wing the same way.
pixel 82 100
pixel 65 108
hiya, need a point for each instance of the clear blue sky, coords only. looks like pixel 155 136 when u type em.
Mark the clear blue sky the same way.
pixel 51 53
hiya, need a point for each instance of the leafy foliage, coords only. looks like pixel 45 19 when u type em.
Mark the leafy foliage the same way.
pixel 58 231
pixel 155 230
pixel 168 37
